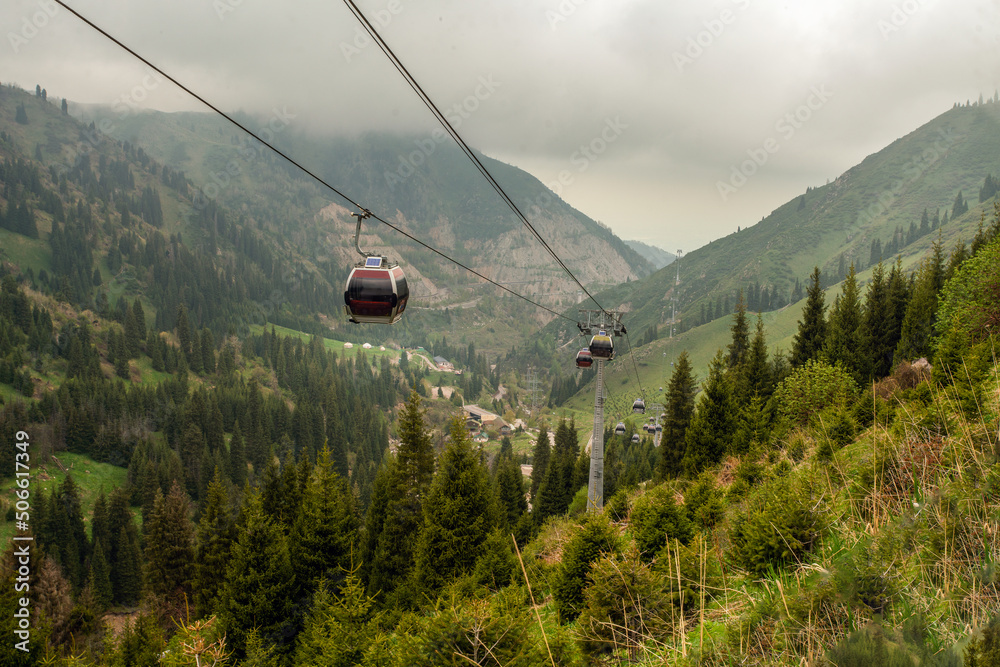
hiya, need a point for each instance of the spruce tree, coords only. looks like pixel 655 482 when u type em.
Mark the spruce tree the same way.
pixel 126 572
pixel 713 424
pixel 740 331
pixel 917 329
pixel 325 531
pixel 340 630
pixel 844 342
pixel 756 374
pixel 540 456
pixel 811 335
pixel 458 514
pixel 213 539
pixel 508 486
pixel 100 578
pixel 676 418
pixel 169 546
pixel 260 583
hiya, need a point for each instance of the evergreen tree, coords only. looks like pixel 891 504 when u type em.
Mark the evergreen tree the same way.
pixel 169 546
pixel 340 630
pixel 126 571
pixel 740 343
pixel 811 335
pixel 100 578
pixel 508 486
pixel 844 343
pixel 756 372
pixel 458 514
pixel 325 531
pixel 676 418
pixel 260 584
pixel 401 494
pixel 20 115
pixel 213 539
pixel 713 424
pixel 540 456
pixel 917 329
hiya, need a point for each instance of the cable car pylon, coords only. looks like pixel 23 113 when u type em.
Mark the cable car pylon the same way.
pixel 601 325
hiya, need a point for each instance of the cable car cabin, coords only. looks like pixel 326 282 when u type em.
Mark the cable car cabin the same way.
pixel 584 359
pixel 659 429
pixel 376 292
pixel 620 429
pixel 639 407
pixel 635 439
pixel 601 346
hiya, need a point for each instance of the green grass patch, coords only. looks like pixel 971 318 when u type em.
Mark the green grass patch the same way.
pixel 90 476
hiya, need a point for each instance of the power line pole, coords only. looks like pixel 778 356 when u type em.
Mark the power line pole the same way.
pixel 606 323
pixel 532 389
pixel 677 287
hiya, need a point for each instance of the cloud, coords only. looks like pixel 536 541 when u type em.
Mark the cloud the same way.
pixel 697 83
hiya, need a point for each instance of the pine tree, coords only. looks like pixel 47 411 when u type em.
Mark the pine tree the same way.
pixel 100 578
pixel 212 542
pixel 844 343
pixel 260 583
pixel 126 571
pixel 169 546
pixel 458 514
pixel 508 487
pixel 325 531
pixel 237 458
pixel 756 372
pixel 540 456
pixel 713 424
pixel 677 418
pixel 740 335
pixel 917 329
pixel 811 335
pixel 340 630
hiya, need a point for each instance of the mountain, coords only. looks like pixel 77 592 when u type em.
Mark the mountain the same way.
pixel 658 257
pixel 426 186
pixel 881 200
pixel 877 205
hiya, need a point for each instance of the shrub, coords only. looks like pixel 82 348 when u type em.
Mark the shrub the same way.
pixel 626 603
pixel 595 537
pixel 778 525
pixel 703 502
pixel 657 519
pixel 812 387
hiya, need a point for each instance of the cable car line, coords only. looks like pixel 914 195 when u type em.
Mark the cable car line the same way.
pixel 429 103
pixel 364 211
pixel 298 165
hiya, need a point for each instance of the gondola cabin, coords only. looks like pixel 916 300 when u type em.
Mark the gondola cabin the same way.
pixel 635 439
pixel 584 359
pixel 639 407
pixel 376 292
pixel 620 429
pixel 601 346
pixel 659 429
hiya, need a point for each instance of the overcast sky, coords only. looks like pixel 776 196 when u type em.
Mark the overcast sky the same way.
pixel 635 111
